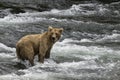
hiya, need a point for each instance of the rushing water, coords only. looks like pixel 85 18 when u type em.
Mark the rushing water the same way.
pixel 88 50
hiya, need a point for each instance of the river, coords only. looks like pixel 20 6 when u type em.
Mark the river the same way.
pixel 89 48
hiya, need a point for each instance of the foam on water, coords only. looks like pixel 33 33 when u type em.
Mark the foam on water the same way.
pixel 85 40
pixel 6 53
pixel 20 19
pixel 70 48
pixel 37 72
pixel 4 47
pixel 69 69
pixel 32 18
pixel 26 18
pixel 81 9
pixel 77 41
pixel 110 38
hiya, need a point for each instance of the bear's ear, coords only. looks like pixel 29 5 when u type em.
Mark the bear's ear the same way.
pixel 50 28
pixel 61 30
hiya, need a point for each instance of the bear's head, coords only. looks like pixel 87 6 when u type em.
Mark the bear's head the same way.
pixel 54 33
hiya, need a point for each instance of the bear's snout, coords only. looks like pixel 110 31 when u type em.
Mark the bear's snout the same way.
pixel 53 38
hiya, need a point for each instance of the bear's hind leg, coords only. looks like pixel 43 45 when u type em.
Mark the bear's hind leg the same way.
pixel 30 54
pixel 18 52
pixel 31 58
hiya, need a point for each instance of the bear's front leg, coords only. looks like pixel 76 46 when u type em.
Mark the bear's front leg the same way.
pixel 47 55
pixel 41 57
pixel 42 53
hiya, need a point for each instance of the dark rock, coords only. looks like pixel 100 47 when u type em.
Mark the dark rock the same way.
pixel 17 10
pixel 108 1
pixel 40 5
pixel 20 66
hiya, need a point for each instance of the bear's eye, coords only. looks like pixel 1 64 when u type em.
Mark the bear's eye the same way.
pixel 56 33
pixel 52 33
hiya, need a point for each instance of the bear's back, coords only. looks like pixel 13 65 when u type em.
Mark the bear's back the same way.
pixel 29 39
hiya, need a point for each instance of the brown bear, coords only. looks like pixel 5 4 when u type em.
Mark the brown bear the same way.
pixel 37 44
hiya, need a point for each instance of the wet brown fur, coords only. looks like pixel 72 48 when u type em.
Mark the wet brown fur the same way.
pixel 37 44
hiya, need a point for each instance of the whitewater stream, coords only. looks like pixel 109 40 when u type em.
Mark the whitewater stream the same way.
pixel 89 48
